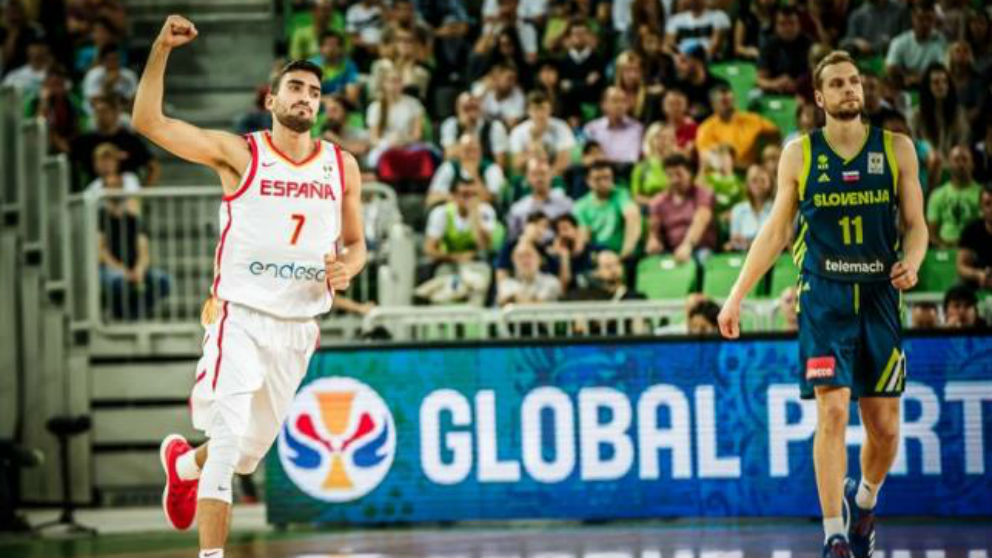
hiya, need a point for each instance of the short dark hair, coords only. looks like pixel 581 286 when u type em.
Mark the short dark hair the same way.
pixel 109 48
pixel 566 217
pixel 678 160
pixel 589 146
pixel 109 99
pixel 923 6
pixel 786 10
pixel 599 164
pixel 295 66
pixel 105 21
pixel 536 216
pixel 330 33
pixel 538 98
pixel 960 293
pixel 707 309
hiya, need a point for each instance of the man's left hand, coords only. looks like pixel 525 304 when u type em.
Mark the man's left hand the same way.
pixel 903 276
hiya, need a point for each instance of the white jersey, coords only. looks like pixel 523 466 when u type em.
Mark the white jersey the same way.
pixel 277 227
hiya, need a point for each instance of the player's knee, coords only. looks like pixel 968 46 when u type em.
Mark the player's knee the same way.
pixel 247 463
pixel 832 415
pixel 886 434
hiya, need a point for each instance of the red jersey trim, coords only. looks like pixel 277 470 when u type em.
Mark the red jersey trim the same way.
pixel 220 348
pixel 220 250
pixel 311 157
pixel 253 147
pixel 337 154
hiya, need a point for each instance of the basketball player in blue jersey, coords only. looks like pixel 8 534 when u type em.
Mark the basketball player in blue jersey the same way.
pixel 861 236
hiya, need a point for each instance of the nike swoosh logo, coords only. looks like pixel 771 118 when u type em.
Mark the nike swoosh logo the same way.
pixel 211 553
pixel 222 489
pixel 268 163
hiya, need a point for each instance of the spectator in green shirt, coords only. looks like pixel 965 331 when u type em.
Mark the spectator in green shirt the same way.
pixel 607 215
pixel 954 204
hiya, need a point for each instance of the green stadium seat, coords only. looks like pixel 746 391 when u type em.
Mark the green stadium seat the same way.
pixel 784 275
pixel 938 272
pixel 743 77
pixel 780 109
pixel 661 277
pixel 719 273
pixel 874 65
pixel 498 237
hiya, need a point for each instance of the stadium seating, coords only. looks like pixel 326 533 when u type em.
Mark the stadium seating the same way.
pixel 784 275
pixel 780 109
pixel 720 272
pixel 743 77
pixel 661 277
pixel 938 271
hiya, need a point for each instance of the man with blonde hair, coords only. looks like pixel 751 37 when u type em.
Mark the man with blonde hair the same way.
pixel 849 182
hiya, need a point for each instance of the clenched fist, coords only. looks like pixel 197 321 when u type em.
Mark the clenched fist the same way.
pixel 176 32
pixel 337 276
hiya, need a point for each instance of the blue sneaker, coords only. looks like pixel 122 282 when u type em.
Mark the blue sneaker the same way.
pixel 860 523
pixel 837 547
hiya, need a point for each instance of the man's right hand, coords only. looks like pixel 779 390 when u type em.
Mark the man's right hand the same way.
pixel 176 32
pixel 729 319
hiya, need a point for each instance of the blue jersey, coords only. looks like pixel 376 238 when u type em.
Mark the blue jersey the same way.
pixel 847 229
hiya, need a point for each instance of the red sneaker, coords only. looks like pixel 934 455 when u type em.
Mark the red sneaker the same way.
pixel 179 496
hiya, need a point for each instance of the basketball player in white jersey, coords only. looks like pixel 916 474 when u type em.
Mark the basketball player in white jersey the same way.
pixel 291 235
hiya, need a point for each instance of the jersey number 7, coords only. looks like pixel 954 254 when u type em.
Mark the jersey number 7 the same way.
pixel 300 219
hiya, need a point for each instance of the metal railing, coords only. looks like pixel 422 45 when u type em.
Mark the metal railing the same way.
pixel 10 125
pixel 181 227
pixel 557 319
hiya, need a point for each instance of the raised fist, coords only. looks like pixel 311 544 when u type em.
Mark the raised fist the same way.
pixel 177 31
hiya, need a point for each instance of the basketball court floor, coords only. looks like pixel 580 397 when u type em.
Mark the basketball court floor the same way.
pixel 642 539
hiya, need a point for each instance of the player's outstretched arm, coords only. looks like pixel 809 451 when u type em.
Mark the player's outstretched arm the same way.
pixel 915 234
pixel 340 268
pixel 771 239
pixel 216 149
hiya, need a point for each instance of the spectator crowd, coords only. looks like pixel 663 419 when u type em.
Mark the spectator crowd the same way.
pixel 556 144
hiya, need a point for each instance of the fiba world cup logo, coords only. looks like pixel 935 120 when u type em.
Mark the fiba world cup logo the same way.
pixel 338 441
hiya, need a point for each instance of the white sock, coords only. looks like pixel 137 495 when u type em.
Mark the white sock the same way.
pixel 212 553
pixel 867 494
pixel 186 466
pixel 833 526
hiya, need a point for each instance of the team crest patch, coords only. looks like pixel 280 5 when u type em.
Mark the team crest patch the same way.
pixel 875 163
pixel 821 367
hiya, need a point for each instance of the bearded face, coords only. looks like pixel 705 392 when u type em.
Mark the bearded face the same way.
pixel 841 94
pixel 847 109
pixel 296 102
pixel 298 117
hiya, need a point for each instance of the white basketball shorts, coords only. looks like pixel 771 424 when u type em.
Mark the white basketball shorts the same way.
pixel 249 352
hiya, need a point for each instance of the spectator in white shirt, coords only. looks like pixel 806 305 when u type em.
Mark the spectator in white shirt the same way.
pixel 528 285
pixel 28 78
pixel 543 129
pixel 109 77
pixel 469 167
pixel 747 217
pixel 363 22
pixel 468 118
pixel 697 25
pixel 504 99
pixel 395 119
